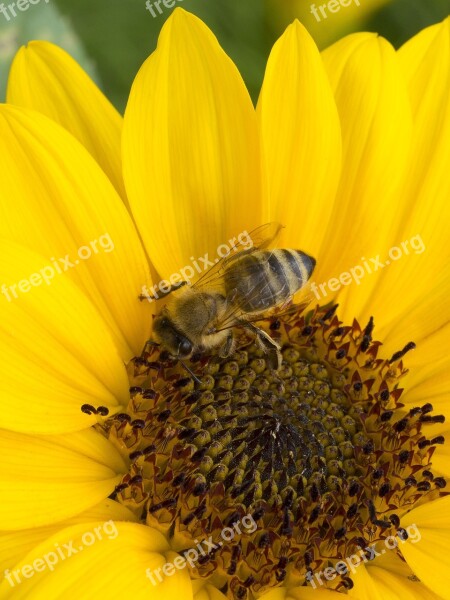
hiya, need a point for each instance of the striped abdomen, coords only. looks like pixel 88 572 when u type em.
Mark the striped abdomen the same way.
pixel 264 279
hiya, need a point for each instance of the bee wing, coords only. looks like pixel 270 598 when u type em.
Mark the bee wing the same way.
pixel 234 313
pixel 261 238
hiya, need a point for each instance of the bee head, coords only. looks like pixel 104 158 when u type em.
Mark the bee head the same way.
pixel 173 340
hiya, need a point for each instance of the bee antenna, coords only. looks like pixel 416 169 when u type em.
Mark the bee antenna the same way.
pixel 191 373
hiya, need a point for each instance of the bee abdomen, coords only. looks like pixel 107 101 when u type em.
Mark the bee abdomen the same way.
pixel 267 278
pixel 291 269
pixel 298 265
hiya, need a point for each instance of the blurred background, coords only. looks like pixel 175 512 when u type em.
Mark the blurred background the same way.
pixel 111 38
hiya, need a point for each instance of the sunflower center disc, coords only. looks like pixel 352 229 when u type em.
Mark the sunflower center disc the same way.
pixel 262 478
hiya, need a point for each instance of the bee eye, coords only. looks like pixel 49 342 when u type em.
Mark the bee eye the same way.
pixel 185 347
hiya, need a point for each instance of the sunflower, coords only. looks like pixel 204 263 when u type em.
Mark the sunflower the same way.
pixel 124 475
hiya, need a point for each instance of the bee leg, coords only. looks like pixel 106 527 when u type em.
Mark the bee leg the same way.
pixel 268 344
pixel 227 348
pixel 162 294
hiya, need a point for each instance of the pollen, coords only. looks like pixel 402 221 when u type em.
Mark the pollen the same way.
pixel 284 472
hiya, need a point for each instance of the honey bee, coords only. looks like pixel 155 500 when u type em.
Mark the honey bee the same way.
pixel 243 287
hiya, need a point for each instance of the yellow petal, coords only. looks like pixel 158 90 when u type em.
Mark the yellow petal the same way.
pixel 115 566
pixel 376 121
pixel 190 148
pixel 204 591
pixel 387 578
pixel 440 461
pixel 14 545
pixel 422 323
pixel 420 279
pixel 310 594
pixel 413 53
pixel 301 140
pixel 57 201
pixel 45 479
pixel 429 557
pixel 45 78
pixel 56 351
pixel 283 594
pixel 432 388
pixel 408 292
pixel 428 378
